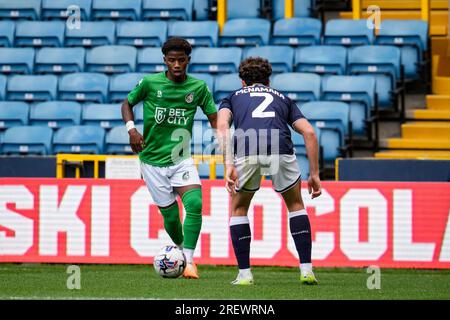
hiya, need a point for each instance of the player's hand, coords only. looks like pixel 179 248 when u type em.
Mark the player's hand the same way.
pixel 314 187
pixel 136 141
pixel 231 179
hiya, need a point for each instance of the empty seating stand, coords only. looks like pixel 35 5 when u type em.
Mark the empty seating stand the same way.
pixel 7 29
pixel 20 9
pixel 120 85
pixel 150 60
pixel 39 34
pixel 116 9
pixel 236 9
pixel 111 59
pixel 59 60
pixel 103 115
pixel 55 114
pixel 168 9
pixel 27 140
pixel 13 114
pixel 32 88
pixel 280 57
pixel 198 33
pixel 140 34
pixel 321 59
pixel 84 87
pixel 93 33
pixel 16 60
pixel 215 60
pixel 3 80
pixel 226 84
pixel 79 139
pixel 348 33
pixel 300 87
pixel 245 32
pixel 62 9
pixel 297 32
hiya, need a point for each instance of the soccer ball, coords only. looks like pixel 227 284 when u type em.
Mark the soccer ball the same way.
pixel 169 262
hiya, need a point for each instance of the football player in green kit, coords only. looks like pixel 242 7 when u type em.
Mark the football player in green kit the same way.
pixel 170 101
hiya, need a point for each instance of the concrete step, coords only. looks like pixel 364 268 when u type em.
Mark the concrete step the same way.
pixel 414 154
pixel 438 130
pixel 419 144
pixel 428 114
pixel 438 102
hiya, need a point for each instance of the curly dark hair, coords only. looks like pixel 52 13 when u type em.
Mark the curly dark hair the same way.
pixel 255 70
pixel 176 44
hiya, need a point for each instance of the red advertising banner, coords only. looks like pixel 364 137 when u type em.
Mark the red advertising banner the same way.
pixel 399 225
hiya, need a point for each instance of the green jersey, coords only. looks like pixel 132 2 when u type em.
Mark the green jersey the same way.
pixel 169 109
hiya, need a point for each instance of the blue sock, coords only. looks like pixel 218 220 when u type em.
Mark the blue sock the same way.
pixel 241 238
pixel 301 233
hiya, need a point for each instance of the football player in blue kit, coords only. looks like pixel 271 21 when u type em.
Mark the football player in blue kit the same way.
pixel 261 145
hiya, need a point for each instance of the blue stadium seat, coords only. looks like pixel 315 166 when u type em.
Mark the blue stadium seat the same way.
pixel 280 57
pixel 39 34
pixel 111 59
pixel 93 33
pixel 302 8
pixel 16 60
pixel 3 81
pixel 245 32
pixel 201 9
pixel 79 139
pixel 330 120
pixel 168 9
pixel 411 36
pixel 103 115
pixel 117 140
pixel 200 116
pixel 121 84
pixel 13 114
pixel 236 9
pixel 357 91
pixel 209 79
pixel 32 88
pixel 299 87
pixel 321 59
pixel 55 114
pixel 20 9
pixel 348 32
pixel 297 32
pixel 225 84
pixel 58 9
pixel 138 111
pixel 215 60
pixel 197 141
pixel 59 60
pixel 198 33
pixel 116 9
pixel 383 62
pixel 92 87
pixel 7 29
pixel 27 140
pixel 150 60
pixel 142 34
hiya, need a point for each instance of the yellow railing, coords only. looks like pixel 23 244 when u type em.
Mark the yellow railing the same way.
pixel 424 8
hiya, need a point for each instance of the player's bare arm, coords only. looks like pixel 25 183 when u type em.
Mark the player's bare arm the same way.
pixel 303 127
pixel 224 137
pixel 136 139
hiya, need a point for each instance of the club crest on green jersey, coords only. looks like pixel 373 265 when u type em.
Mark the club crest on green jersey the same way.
pixel 160 115
pixel 189 97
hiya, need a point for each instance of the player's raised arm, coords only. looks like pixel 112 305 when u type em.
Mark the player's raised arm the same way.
pixel 303 127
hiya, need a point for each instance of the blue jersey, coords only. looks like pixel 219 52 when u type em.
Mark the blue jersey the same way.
pixel 261 116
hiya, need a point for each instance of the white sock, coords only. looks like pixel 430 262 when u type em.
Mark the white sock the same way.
pixel 245 273
pixel 189 253
pixel 305 267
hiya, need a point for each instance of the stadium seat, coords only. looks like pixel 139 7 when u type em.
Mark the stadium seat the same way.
pixel 357 91
pixel 55 114
pixel 117 140
pixel 111 59
pixel 297 32
pixel 142 34
pixel 302 8
pixel 209 79
pixel 237 10
pixel 280 57
pixel 225 84
pixel 20 9
pixel 103 115
pixel 138 111
pixel 321 59
pixel 383 62
pixel 411 36
pixel 348 32
pixel 201 10
pixel 13 114
pixel 27 140
pixel 59 60
pixel 150 60
pixel 79 139
pixel 32 88
pixel 93 33
pixel 299 87
pixel 3 81
pixel 39 34
pixel 168 9
pixel 215 60
pixel 82 87
pixel 198 134
pixel 245 32
pixel 116 9
pixel 330 120
pixel 16 60
pixel 300 153
pixel 200 116
pixel 7 29
pixel 198 33
pixel 121 84
pixel 61 9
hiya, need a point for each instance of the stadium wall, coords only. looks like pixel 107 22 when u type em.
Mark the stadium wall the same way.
pixel 355 224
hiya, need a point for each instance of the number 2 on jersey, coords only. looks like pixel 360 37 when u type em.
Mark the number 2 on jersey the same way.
pixel 260 112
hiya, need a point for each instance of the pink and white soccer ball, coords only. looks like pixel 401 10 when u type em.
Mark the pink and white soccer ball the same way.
pixel 169 262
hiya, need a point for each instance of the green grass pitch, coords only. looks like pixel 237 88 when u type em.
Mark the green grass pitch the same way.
pixel 48 281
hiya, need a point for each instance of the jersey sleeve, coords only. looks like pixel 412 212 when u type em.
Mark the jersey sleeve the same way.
pixel 138 93
pixel 206 101
pixel 294 113
pixel 226 103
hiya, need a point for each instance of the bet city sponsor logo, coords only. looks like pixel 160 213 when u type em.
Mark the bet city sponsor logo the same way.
pixel 171 116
